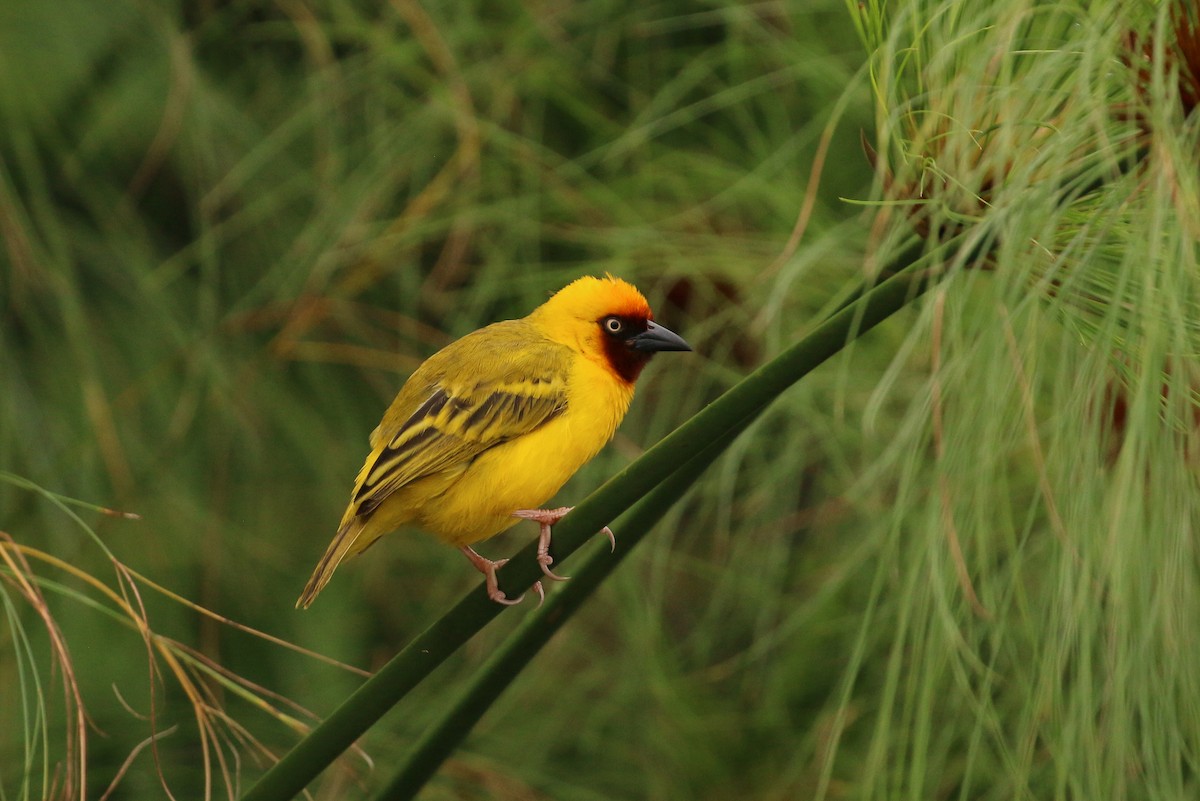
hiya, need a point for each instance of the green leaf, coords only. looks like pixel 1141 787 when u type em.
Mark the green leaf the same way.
pixel 713 424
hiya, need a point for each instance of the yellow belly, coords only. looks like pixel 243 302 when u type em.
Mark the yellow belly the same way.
pixel 476 501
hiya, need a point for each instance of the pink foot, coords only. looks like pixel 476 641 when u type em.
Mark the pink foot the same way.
pixel 488 568
pixel 546 518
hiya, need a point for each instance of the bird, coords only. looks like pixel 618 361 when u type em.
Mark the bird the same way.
pixel 490 427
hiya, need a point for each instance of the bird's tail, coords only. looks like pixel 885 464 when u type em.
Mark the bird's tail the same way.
pixel 343 544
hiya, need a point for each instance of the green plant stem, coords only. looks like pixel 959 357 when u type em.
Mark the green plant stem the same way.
pixel 383 690
pixel 519 650
pixel 440 740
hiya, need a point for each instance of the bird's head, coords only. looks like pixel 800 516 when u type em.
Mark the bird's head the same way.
pixel 606 320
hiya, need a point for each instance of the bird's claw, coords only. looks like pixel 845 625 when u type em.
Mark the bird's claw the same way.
pixel 499 597
pixel 545 560
pixel 546 518
pixel 488 568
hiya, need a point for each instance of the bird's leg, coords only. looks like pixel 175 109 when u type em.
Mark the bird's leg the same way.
pixel 488 568
pixel 546 518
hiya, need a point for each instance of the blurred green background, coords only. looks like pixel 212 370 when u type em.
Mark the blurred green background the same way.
pixel 230 231
pixel 958 561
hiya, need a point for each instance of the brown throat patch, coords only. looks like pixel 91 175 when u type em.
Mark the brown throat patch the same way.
pixel 626 362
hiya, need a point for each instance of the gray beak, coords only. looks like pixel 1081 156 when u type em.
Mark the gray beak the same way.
pixel 656 338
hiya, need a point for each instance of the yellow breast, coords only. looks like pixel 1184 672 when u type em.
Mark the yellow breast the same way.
pixel 525 472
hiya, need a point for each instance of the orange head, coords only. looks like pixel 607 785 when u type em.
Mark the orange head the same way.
pixel 606 320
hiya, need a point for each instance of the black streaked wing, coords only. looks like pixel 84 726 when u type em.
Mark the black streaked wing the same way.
pixel 455 424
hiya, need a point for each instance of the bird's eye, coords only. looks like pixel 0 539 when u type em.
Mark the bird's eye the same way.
pixel 613 325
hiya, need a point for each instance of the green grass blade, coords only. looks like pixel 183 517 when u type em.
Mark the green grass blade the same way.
pixel 518 651
pixel 379 693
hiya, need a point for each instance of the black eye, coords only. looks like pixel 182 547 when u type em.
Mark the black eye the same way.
pixel 613 325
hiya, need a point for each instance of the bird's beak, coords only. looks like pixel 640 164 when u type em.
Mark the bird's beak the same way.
pixel 656 338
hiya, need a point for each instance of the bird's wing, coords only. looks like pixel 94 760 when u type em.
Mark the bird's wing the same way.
pixel 471 398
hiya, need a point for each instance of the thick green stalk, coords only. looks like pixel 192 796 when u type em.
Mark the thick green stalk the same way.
pixel 440 740
pixel 518 651
pixel 383 690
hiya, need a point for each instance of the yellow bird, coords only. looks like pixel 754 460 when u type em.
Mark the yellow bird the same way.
pixel 491 426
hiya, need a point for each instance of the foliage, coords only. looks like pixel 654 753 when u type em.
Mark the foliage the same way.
pixel 958 561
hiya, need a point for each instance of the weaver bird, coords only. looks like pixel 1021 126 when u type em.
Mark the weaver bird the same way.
pixel 490 427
